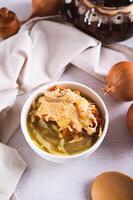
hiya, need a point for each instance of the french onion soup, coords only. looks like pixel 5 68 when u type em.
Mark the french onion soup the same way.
pixel 62 121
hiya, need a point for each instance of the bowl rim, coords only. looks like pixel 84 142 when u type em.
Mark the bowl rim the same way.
pixel 41 152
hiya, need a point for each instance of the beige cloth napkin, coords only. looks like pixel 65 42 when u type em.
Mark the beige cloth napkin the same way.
pixel 11 169
pixel 39 54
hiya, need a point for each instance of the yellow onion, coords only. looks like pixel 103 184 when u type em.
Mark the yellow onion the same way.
pixel 129 119
pixel 45 7
pixel 119 81
pixel 9 23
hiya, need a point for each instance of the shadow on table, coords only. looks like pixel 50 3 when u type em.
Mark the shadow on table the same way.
pixel 118 140
pixel 87 190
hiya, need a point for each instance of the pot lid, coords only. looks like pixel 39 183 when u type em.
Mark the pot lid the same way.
pixel 113 3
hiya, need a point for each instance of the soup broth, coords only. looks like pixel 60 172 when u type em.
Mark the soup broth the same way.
pixel 62 122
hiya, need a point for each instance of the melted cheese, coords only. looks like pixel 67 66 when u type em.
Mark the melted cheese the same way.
pixel 67 109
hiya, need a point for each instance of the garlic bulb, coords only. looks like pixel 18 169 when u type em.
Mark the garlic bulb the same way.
pixel 129 119
pixel 119 81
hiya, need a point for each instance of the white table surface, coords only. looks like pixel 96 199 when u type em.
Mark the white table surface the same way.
pixel 48 181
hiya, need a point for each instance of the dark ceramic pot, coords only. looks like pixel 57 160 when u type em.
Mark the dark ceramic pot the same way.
pixel 107 20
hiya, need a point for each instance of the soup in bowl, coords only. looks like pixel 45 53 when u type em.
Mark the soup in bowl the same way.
pixel 64 121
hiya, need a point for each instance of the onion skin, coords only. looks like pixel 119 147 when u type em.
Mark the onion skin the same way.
pixel 45 7
pixel 119 81
pixel 129 119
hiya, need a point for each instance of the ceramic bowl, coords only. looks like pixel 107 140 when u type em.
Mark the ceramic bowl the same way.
pixel 88 92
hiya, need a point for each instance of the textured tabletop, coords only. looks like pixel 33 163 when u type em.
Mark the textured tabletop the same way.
pixel 44 180
pixel 48 181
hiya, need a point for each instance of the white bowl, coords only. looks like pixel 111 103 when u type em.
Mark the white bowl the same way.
pixel 84 90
